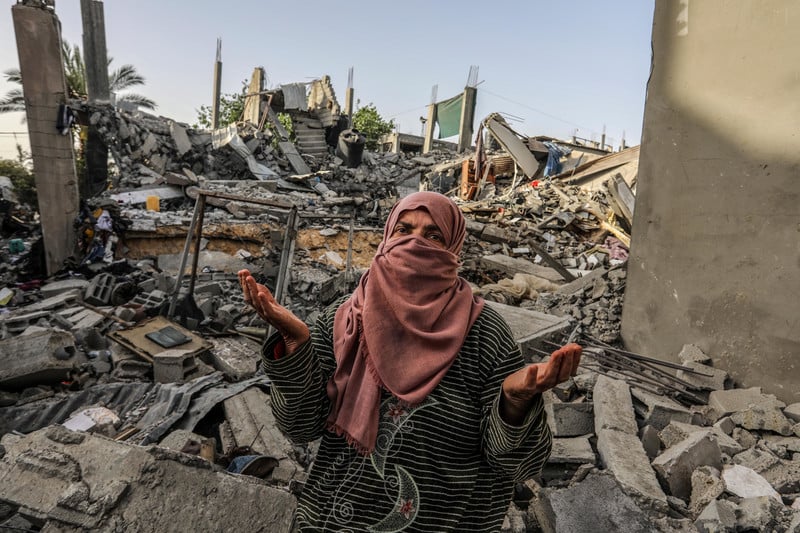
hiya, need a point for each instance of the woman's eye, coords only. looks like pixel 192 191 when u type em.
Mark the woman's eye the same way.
pixel 436 237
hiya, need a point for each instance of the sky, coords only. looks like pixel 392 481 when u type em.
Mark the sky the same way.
pixel 578 67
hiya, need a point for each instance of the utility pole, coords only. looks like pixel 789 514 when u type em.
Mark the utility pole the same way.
pixel 217 85
pixel 45 88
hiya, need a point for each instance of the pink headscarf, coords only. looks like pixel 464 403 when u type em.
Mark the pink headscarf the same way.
pixel 405 323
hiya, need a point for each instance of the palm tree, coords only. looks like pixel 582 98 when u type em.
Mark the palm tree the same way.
pixel 119 80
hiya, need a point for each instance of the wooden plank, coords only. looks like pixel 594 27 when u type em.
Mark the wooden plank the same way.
pixel 623 197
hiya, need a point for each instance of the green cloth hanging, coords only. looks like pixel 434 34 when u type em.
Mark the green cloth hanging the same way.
pixel 448 116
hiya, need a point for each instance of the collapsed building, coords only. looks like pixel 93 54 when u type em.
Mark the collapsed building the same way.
pixel 130 376
pixel 142 349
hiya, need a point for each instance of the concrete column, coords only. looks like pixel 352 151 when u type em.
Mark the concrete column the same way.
pixel 714 252
pixel 95 59
pixel 348 98
pixel 467 119
pixel 95 56
pixel 431 124
pixel 44 87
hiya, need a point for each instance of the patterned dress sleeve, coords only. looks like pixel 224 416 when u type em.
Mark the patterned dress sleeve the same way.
pixel 298 382
pixel 519 452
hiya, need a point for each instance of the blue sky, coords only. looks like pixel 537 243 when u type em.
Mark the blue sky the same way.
pixel 559 66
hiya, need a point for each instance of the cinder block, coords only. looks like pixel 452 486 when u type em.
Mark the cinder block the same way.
pixel 171 366
pixel 99 290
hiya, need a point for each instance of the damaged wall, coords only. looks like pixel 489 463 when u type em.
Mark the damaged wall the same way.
pixel 715 254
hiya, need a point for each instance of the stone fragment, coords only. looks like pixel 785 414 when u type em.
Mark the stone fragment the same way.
pixel 659 411
pixel 595 504
pixel 623 455
pixel 718 517
pixel 692 354
pixel 783 475
pixel 613 408
pixel 726 402
pixel 760 513
pixel 747 483
pixel 792 412
pixel 569 419
pixel 577 450
pixel 676 464
pixel 763 417
pixel 710 379
pixel 677 431
pixel 725 424
pixel 707 485
pixel 651 441
pixel 42 357
pixel 59 287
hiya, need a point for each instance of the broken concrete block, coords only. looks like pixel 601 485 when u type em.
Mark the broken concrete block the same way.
pixel 659 411
pixel 613 407
pixel 707 485
pixel 760 513
pixel 595 504
pixel 178 438
pixel 251 422
pixel 715 379
pixel 237 358
pixel 577 450
pixel 173 366
pixel 65 285
pixel 623 455
pixel 719 516
pixel 726 402
pixel 792 412
pixel 529 327
pixel 650 441
pixel 763 417
pixel 41 357
pixel 568 419
pixel 81 481
pixel 692 354
pixel 677 431
pixel 745 482
pixel 676 464
pixel 782 475
pixel 726 425
pixel 182 142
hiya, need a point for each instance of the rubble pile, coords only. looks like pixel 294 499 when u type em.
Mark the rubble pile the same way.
pixel 142 348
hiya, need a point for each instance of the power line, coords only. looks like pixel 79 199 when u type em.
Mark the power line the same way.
pixel 526 106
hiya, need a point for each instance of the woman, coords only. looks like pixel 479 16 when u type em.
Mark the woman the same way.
pixel 426 411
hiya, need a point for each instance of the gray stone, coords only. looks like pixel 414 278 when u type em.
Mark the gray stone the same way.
pixel 726 402
pixel 595 504
pixel 529 327
pixel 718 517
pixel 494 233
pixel 744 437
pixel 659 411
pixel 707 486
pixel 613 407
pixel 676 464
pixel 782 475
pixel 568 419
pixel 677 431
pixel 58 287
pixel 692 354
pixel 650 441
pixel 237 358
pixel 577 450
pixel 760 513
pixel 99 484
pixel 715 380
pixel 745 482
pixel 763 417
pixel 792 412
pixel 178 438
pixel 41 357
pixel 725 424
pixel 623 455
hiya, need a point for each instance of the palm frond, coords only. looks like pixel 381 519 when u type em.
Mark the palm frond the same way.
pixel 124 77
pixel 138 99
pixel 12 102
pixel 13 75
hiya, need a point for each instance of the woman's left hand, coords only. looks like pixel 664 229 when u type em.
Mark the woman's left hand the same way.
pixel 520 387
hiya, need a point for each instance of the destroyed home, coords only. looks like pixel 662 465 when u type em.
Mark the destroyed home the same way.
pixel 124 333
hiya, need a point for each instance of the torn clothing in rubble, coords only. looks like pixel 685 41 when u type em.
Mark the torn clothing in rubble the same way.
pixel 447 464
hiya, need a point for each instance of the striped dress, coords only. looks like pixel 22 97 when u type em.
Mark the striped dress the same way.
pixel 448 464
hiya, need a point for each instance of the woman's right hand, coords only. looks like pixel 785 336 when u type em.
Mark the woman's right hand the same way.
pixel 294 331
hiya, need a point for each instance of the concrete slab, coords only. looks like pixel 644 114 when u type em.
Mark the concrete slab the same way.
pixel 530 328
pixel 236 357
pixel 613 407
pixel 577 450
pixel 514 265
pixel 725 402
pixel 763 417
pixel 250 418
pixel 595 504
pixel 57 287
pixel 39 358
pixel 64 477
pixel 568 419
pixel 677 431
pixel 715 380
